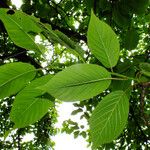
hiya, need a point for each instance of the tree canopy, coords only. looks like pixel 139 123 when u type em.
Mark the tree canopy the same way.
pixel 95 54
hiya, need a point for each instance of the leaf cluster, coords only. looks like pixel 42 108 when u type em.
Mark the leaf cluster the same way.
pixel 110 77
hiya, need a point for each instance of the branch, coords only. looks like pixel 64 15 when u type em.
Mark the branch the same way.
pixel 21 55
pixel 142 100
pixel 145 84
pixel 137 124
pixel 68 32
pixel 3 4
pixel 142 97
pixel 19 139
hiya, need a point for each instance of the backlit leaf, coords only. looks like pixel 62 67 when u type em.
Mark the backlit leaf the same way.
pixel 78 82
pixel 19 27
pixel 29 106
pixel 14 76
pixel 109 118
pixel 103 42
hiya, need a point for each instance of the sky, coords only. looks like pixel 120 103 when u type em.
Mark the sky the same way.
pixel 17 3
pixel 63 141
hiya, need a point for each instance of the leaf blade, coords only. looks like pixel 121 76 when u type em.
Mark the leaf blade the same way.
pixel 131 39
pixel 19 26
pixel 28 106
pixel 65 40
pixel 109 118
pixel 78 82
pixel 14 76
pixel 145 68
pixel 103 42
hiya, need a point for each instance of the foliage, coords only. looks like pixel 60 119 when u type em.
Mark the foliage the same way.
pixel 109 118
pixel 68 84
pixel 31 104
pixel 103 42
pixel 110 78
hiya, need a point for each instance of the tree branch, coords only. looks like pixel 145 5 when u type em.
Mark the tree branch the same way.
pixel 142 97
pixel 21 55
pixel 68 32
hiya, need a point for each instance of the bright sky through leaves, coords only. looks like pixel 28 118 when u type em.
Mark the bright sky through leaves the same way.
pixel 18 3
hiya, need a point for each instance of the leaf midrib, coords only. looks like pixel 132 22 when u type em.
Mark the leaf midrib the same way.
pixel 34 101
pixel 38 48
pixel 111 113
pixel 104 47
pixel 86 82
pixel 14 78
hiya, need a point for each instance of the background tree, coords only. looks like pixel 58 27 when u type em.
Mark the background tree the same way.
pixel 129 20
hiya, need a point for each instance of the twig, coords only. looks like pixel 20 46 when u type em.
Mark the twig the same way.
pixel 19 139
pixel 142 100
pixel 142 97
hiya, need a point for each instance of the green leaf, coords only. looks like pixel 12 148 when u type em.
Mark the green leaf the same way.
pixel 120 19
pixel 109 118
pixel 14 76
pixel 138 6
pixel 76 111
pixel 124 85
pixel 83 134
pixel 103 42
pixel 59 37
pixel 19 27
pixel 7 133
pixel 143 78
pixel 28 106
pixel 123 66
pixel 145 68
pixel 68 6
pixel 138 59
pixel 131 39
pixel 76 134
pixel 78 82
pixel 69 43
pixel 66 41
pixel 89 5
